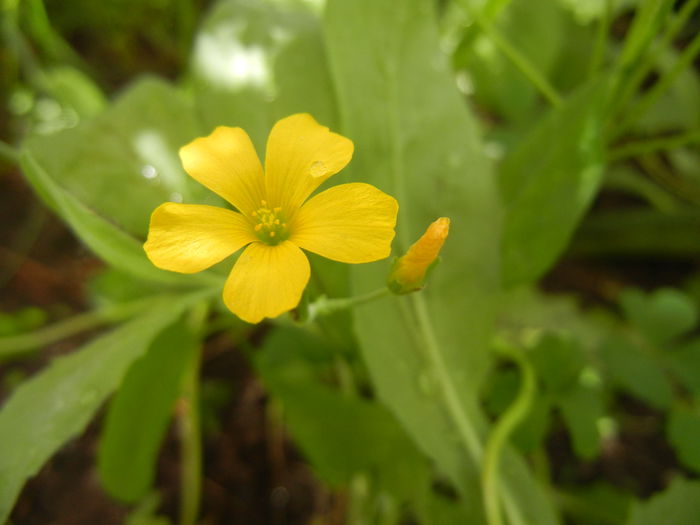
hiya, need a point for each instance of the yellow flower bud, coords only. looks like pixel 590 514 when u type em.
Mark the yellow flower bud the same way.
pixel 409 271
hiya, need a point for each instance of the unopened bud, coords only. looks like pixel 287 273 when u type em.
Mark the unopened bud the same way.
pixel 409 271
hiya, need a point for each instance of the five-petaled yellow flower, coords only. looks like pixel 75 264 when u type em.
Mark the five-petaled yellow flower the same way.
pixel 351 223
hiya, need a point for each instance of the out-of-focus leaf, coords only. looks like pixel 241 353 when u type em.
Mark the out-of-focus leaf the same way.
pixel 342 435
pixel 110 243
pixel 139 413
pixel 635 371
pixel 599 503
pixel 548 181
pixel 416 139
pixel 683 431
pixel 558 360
pixel 75 90
pixel 124 163
pixel 679 504
pixel 685 363
pixel 582 408
pixel 57 403
pixel 662 315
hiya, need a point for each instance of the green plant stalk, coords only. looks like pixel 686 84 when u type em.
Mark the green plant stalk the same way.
pixel 324 306
pixel 650 97
pixel 190 426
pixel 517 411
pixel 601 40
pixel 643 147
pixel 638 75
pixel 23 343
pixel 468 436
pixel 518 59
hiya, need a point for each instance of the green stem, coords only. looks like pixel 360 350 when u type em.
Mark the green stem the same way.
pixel 650 97
pixel 601 40
pixel 190 427
pixel 643 147
pixel 518 59
pixel 517 411
pixel 18 344
pixel 638 75
pixel 324 306
pixel 467 435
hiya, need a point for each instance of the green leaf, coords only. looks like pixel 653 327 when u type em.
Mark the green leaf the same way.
pixel 57 403
pixel 685 364
pixel 110 243
pixel 547 183
pixel 343 435
pixel 139 413
pixel 683 431
pixel 679 504
pixel 636 371
pixel 558 360
pixel 127 155
pixel 415 139
pixel 582 408
pixel 662 315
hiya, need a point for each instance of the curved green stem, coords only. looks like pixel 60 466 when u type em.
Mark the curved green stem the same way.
pixel 490 479
pixel 642 147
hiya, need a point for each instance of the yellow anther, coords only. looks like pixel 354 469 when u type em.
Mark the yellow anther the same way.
pixel 258 227
pixel 254 214
pixel 272 234
pixel 277 221
pixel 277 209
pixel 264 203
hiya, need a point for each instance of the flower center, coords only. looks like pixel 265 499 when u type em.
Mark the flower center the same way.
pixel 270 224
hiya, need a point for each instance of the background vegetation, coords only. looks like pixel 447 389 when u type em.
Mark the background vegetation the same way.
pixel 549 372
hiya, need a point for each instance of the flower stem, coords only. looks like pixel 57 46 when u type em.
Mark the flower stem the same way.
pixel 324 306
pixel 517 411
pixel 190 427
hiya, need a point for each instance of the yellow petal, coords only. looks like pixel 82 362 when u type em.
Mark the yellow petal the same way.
pixel 266 281
pixel 301 154
pixel 188 238
pixel 226 163
pixel 351 223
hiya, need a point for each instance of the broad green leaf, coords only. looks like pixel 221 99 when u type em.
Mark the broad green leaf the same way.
pixel 124 163
pixel 139 414
pixel 635 371
pixel 558 360
pixel 110 243
pixel 679 504
pixel 661 316
pixel 685 364
pixel 547 183
pixel 415 139
pixel 683 432
pixel 343 435
pixel 57 403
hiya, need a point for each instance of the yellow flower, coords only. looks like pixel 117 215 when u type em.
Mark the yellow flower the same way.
pixel 351 223
pixel 409 271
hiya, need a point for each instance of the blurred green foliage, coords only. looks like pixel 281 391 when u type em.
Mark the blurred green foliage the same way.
pixel 549 131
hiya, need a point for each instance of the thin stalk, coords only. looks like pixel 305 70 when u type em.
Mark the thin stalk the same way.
pixel 643 147
pixel 516 413
pixel 639 74
pixel 517 58
pixel 191 443
pixel 324 306
pixel 190 426
pixel 651 96
pixel 23 343
pixel 601 40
